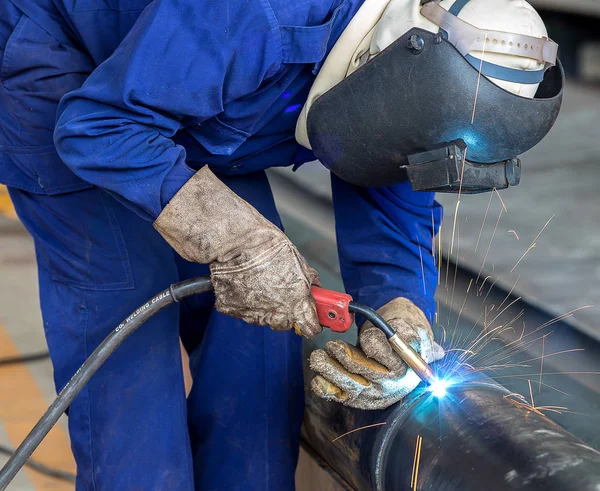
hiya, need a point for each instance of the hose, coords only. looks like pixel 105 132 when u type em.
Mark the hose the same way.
pixel 174 293
pixel 42 468
pixel 14 360
pixel 373 317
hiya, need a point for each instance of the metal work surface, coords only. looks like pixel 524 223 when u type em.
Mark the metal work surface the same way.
pixel 481 434
pixel 477 435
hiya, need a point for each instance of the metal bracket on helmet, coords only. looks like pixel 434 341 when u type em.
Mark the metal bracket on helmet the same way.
pixel 443 169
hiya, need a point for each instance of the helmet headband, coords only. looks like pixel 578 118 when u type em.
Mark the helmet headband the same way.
pixel 466 38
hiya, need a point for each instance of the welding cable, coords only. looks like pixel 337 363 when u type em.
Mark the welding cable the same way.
pixel 14 360
pixel 174 293
pixel 373 317
pixel 42 468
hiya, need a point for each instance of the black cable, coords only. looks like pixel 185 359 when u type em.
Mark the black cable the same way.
pixel 91 366
pixel 41 468
pixel 14 360
pixel 373 317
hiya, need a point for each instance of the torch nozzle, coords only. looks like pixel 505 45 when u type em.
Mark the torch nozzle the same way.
pixel 401 347
pixel 412 359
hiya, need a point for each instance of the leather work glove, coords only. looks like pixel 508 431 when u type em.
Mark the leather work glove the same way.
pixel 258 275
pixel 374 376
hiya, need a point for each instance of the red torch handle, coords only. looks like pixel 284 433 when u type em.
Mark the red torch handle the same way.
pixel 332 309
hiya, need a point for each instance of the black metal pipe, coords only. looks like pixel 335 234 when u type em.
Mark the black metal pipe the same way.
pixel 479 436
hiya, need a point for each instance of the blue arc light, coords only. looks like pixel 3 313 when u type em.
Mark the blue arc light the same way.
pixel 439 388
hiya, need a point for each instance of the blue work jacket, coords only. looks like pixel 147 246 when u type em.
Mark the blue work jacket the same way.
pixel 157 89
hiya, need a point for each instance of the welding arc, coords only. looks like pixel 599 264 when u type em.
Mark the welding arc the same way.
pixel 173 294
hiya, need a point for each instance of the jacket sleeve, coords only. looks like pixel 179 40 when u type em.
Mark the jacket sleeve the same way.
pixel 385 243
pixel 177 67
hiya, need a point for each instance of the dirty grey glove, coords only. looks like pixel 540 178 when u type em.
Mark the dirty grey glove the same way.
pixel 257 273
pixel 374 376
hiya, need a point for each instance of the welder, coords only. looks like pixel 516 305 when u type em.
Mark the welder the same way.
pixel 135 137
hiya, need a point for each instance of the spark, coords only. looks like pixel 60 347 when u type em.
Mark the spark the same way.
pixel 509 293
pixel 422 270
pixel 507 350
pixel 444 333
pixel 479 77
pixel 501 200
pixel 417 460
pixel 460 313
pixel 505 309
pixel 538 409
pixel 548 355
pixel 461 350
pixel 484 281
pixel 531 394
pixel 489 245
pixel 462 173
pixel 531 405
pixel 533 243
pixel 455 275
pixel 447 269
pixel 542 363
pixel 471 355
pixel 564 316
pixel 544 384
pixel 440 254
pixel 357 429
pixel 484 219
pixel 550 373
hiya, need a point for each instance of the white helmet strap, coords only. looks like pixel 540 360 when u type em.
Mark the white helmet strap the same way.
pixel 466 38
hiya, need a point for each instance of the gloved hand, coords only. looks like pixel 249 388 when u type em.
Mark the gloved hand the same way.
pixel 374 376
pixel 257 273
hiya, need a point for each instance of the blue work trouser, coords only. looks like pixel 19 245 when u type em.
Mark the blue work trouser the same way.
pixel 130 427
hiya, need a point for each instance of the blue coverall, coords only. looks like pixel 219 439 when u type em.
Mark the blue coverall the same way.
pixel 137 94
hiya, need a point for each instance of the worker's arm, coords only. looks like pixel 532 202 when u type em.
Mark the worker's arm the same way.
pixel 385 242
pixel 182 61
pixel 179 65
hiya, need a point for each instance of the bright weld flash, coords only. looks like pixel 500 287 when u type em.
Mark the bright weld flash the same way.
pixel 438 388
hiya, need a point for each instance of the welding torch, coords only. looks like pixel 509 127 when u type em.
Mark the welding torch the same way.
pixel 336 311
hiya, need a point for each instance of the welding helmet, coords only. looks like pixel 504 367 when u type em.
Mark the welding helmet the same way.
pixel 446 94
